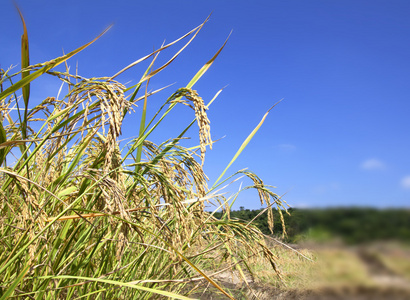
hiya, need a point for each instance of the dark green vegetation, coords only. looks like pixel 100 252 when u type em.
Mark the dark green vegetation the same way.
pixel 352 225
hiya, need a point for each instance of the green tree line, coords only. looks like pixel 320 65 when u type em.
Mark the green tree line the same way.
pixel 352 225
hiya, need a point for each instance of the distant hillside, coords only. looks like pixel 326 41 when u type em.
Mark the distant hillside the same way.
pixel 353 225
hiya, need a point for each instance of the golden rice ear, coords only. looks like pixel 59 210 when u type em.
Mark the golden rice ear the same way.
pixel 200 114
pixel 81 217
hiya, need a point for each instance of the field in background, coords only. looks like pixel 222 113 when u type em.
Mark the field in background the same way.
pixel 346 253
pixel 329 271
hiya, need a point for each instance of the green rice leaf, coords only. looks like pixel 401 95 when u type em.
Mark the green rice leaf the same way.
pixel 3 139
pixel 123 284
pixel 244 144
pixel 25 61
pixel 205 68
pixel 46 67
pixel 15 283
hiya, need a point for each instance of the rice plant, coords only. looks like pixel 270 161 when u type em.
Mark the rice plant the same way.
pixel 83 218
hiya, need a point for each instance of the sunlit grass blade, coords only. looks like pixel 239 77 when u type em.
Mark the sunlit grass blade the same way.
pixel 244 144
pixel 196 30
pixel 205 68
pixel 124 284
pixel 143 114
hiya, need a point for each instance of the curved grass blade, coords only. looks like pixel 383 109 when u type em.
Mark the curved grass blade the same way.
pixel 46 67
pixel 198 75
pixel 160 49
pixel 206 66
pixel 124 284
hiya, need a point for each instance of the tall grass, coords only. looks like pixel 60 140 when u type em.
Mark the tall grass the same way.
pixel 82 218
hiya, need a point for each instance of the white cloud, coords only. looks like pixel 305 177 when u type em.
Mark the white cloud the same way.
pixel 301 205
pixel 372 164
pixel 287 147
pixel 405 182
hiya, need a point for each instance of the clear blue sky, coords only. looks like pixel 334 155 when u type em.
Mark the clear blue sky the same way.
pixel 339 138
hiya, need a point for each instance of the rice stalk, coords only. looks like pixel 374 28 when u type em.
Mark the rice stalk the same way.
pixel 83 216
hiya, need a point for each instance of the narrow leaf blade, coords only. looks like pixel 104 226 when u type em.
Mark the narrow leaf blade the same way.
pixel 245 143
